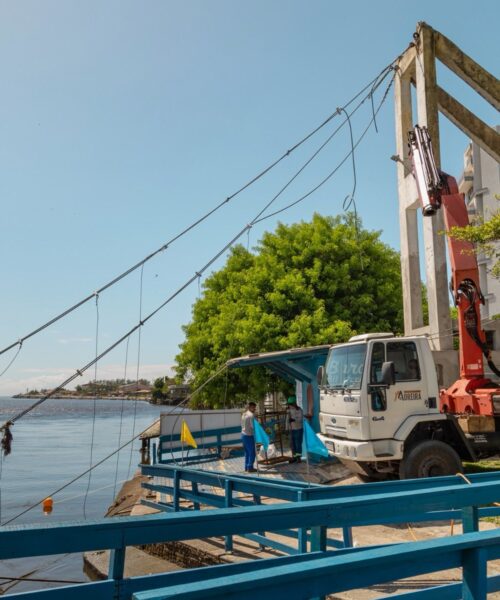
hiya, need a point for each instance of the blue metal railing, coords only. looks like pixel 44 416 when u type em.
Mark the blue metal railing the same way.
pixel 171 478
pixel 333 572
pixel 170 446
pixel 295 491
pixel 303 575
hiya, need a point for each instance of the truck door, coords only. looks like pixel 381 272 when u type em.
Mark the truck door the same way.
pixel 388 407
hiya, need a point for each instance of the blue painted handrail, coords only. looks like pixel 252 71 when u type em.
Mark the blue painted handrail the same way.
pixel 231 485
pixel 166 455
pixel 334 572
pixel 288 490
pixel 370 505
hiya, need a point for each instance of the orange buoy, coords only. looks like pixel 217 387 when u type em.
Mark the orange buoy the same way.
pixel 47 505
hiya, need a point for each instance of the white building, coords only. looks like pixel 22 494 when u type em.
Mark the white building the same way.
pixel 480 182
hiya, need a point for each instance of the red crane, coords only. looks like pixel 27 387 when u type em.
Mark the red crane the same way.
pixel 473 393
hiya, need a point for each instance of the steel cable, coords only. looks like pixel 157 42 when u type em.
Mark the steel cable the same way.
pixel 339 165
pixel 258 218
pixel 163 247
pixel 94 407
pixel 100 462
pixel 139 337
pixel 121 419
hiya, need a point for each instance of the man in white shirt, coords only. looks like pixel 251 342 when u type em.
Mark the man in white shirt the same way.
pixel 248 437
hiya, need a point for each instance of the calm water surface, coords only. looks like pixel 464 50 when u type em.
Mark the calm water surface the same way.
pixel 51 446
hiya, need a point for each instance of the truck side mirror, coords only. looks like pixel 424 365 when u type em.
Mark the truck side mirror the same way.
pixel 388 374
pixel 319 374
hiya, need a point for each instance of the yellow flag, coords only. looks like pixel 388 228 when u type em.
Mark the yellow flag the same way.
pixel 187 436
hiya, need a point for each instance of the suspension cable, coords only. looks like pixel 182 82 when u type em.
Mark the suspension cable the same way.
pixel 193 278
pixel 124 445
pixel 339 165
pixel 372 84
pixel 258 218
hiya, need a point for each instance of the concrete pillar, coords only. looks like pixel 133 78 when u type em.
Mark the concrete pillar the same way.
pixel 435 244
pixel 418 66
pixel 408 203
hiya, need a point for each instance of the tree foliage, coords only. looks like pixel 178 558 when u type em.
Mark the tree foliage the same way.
pixel 160 391
pixel 305 284
pixel 485 236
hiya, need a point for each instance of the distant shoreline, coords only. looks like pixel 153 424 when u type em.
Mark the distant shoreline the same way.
pixel 79 397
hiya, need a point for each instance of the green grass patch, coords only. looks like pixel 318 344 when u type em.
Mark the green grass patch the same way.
pixel 483 466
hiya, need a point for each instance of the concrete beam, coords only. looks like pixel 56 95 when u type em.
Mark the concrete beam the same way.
pixel 484 135
pixel 483 82
pixel 406 64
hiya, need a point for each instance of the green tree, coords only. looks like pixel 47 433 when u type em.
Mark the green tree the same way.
pixel 157 393
pixel 308 283
pixel 484 235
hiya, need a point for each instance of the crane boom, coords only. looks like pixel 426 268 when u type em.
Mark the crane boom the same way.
pixel 439 191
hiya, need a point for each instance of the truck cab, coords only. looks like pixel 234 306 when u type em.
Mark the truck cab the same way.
pixel 379 397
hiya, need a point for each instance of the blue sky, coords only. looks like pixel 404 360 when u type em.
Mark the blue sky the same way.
pixel 122 122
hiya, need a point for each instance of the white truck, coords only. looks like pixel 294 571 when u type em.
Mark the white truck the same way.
pixel 379 410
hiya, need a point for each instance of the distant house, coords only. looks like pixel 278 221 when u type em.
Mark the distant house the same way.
pixel 177 393
pixel 136 388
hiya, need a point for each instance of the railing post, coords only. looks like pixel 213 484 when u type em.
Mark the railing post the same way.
pixel 153 455
pixel 318 538
pixel 228 503
pixel 318 544
pixel 347 534
pixel 470 519
pixel 194 489
pixel 176 486
pixel 302 532
pixel 258 500
pixel 475 578
pixel 116 568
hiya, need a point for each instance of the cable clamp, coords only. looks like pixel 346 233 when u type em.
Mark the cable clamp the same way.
pixel 79 372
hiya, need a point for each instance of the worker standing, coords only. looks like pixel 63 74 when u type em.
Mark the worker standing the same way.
pixel 295 418
pixel 248 436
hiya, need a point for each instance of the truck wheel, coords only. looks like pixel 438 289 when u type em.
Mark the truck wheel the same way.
pixel 430 459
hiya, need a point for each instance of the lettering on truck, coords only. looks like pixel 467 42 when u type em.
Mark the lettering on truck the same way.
pixel 408 395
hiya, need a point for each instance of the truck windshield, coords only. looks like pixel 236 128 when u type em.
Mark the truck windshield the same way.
pixel 344 367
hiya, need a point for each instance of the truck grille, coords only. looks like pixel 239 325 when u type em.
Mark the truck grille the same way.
pixel 337 431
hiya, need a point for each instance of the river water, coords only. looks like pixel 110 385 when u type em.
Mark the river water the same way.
pixel 51 446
